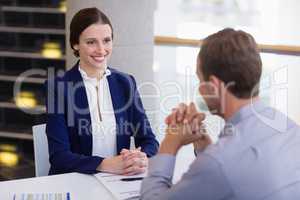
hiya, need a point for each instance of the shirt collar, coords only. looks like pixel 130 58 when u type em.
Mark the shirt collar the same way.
pixel 246 111
pixel 84 75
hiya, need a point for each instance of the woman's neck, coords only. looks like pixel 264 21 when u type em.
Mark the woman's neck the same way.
pixel 93 72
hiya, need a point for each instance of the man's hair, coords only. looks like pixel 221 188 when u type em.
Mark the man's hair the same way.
pixel 83 19
pixel 233 57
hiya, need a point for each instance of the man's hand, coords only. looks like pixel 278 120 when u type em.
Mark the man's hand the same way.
pixel 187 115
pixel 184 127
pixel 202 143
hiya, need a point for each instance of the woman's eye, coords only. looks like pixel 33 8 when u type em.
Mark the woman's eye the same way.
pixel 107 40
pixel 90 42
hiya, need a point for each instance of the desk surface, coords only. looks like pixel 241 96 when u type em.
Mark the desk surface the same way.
pixel 80 186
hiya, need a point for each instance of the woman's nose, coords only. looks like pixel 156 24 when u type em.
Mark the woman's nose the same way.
pixel 101 48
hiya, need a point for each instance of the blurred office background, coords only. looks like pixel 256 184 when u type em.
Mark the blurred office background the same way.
pixel 33 37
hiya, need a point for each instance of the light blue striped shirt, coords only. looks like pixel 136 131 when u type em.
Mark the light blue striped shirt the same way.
pixel 257 157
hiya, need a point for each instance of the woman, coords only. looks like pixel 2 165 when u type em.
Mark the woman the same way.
pixel 92 110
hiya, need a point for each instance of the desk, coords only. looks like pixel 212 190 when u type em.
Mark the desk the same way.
pixel 80 186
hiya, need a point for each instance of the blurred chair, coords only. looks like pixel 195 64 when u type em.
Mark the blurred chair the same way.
pixel 41 154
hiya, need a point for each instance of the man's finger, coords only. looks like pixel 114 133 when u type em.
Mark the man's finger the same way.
pixel 192 113
pixel 197 124
pixel 172 129
pixel 182 109
pixel 171 119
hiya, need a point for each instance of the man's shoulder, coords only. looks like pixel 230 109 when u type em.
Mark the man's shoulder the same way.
pixel 266 128
pixel 270 119
pixel 259 136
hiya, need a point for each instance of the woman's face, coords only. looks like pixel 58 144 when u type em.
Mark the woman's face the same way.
pixel 95 46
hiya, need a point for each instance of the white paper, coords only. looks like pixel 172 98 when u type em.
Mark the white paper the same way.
pixel 121 189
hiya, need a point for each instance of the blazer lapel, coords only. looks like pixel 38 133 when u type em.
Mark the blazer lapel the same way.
pixel 118 104
pixel 82 115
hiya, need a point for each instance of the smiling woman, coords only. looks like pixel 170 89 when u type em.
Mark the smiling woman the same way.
pixel 93 110
pixel 95 49
pixel 91 42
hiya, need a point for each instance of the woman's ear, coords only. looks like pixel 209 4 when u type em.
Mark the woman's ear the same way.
pixel 76 47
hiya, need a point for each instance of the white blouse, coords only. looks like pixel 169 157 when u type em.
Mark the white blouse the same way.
pixel 102 115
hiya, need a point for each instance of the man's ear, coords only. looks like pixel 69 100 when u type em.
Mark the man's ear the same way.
pixel 219 86
pixel 215 81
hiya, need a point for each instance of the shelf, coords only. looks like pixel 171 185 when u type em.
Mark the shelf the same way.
pixel 15 135
pixel 27 80
pixel 32 30
pixel 26 27
pixel 27 55
pixel 14 106
pixel 32 9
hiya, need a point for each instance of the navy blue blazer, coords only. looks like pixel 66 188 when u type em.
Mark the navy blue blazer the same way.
pixel 68 121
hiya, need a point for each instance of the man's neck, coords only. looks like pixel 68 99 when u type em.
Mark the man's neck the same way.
pixel 234 104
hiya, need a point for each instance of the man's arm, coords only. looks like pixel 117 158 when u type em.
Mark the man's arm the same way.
pixel 204 180
pixel 205 174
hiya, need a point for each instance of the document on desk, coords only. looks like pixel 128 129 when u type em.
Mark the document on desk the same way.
pixel 42 196
pixel 122 187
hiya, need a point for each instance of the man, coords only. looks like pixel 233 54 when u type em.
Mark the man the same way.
pixel 257 155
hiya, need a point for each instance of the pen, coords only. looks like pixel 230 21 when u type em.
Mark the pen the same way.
pixel 68 196
pixel 132 179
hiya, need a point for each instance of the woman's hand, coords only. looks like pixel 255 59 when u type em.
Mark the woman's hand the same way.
pixel 136 161
pixel 113 165
pixel 130 162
